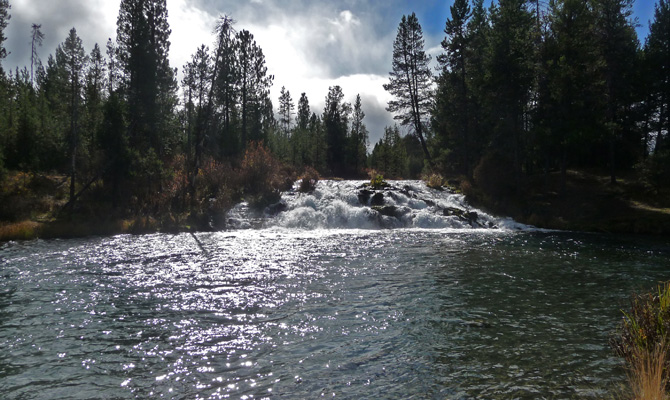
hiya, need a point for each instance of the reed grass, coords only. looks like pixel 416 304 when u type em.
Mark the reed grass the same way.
pixel 646 373
pixel 642 341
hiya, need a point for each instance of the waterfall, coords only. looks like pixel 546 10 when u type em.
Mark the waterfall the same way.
pixel 356 205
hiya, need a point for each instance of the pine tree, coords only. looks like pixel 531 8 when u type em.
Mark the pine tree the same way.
pixel 94 97
pixel 254 86
pixel 300 143
pixel 452 103
pixel 410 80
pixel 657 68
pixel 302 119
pixel 225 78
pixel 657 51
pixel 571 106
pixel 618 45
pixel 389 156
pixel 478 37
pixel 71 57
pixel 37 39
pixel 197 84
pixel 335 123
pixel 284 143
pixel 317 143
pixel 148 81
pixel 4 22
pixel 358 137
pixel 113 76
pixel 4 86
pixel 510 72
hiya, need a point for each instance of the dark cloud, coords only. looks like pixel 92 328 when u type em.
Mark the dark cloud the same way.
pixel 337 45
pixel 376 118
pixel 56 18
pixel 309 44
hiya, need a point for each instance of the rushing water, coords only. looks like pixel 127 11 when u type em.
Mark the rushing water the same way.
pixel 301 313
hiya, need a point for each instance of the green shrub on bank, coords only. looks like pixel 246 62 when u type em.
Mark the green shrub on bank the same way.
pixel 646 324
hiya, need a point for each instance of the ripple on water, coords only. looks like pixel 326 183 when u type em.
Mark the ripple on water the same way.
pixel 298 314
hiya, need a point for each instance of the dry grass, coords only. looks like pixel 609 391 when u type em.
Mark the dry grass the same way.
pixel 24 230
pixel 435 181
pixel 646 376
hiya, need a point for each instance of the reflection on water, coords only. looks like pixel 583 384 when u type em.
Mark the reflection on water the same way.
pixel 299 314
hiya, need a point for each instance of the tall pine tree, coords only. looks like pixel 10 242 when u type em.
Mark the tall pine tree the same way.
pixel 451 115
pixel 149 84
pixel 410 80
pixel 72 58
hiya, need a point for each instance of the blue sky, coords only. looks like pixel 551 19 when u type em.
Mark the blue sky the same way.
pixel 309 44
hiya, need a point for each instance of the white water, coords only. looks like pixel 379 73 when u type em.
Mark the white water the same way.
pixel 345 205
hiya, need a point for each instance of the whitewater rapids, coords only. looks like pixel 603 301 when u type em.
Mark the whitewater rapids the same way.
pixel 354 205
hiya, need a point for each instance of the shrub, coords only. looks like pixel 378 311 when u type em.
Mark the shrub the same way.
pixel 642 336
pixel 466 188
pixel 309 180
pixel 655 170
pixel 378 182
pixel 263 176
pixel 258 168
pixel 213 185
pixel 434 181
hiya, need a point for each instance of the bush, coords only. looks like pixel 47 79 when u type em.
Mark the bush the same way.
pixel 434 181
pixel 466 188
pixel 646 324
pixel 642 338
pixel 213 187
pixel 309 180
pixel 263 176
pixel 378 182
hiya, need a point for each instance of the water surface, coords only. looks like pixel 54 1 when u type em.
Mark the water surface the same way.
pixel 291 313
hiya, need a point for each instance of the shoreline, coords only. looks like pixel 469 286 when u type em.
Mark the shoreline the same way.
pixel 596 209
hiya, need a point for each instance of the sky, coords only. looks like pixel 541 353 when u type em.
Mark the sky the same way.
pixel 309 45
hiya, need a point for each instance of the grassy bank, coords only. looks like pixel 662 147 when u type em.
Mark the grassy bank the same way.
pixel 36 205
pixel 588 202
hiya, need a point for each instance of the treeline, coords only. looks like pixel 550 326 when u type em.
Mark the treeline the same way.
pixel 525 89
pixel 522 89
pixel 119 121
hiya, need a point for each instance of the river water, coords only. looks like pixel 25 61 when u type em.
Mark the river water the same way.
pixel 281 311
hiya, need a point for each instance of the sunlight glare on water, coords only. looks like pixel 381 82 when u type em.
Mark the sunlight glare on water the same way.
pixel 295 313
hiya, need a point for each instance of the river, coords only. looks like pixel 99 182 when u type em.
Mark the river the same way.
pixel 434 306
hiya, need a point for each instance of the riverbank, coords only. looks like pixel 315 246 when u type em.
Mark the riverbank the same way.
pixel 33 208
pixel 589 203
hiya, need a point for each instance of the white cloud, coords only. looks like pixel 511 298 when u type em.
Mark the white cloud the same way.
pixel 308 46
pixel 191 27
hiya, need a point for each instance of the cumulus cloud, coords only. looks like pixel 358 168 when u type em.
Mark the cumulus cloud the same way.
pixel 309 45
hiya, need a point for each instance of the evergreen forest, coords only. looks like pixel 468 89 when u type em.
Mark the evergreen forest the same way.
pixel 524 91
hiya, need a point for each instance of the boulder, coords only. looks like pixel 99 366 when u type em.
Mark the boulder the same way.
pixel 276 208
pixel 391 211
pixel 454 212
pixel 377 199
pixel 364 196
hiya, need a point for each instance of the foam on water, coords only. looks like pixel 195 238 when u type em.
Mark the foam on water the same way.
pixel 353 205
